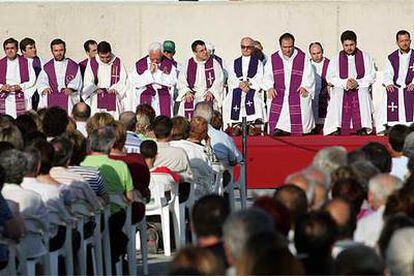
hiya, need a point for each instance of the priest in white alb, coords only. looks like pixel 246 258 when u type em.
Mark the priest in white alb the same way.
pixel 60 82
pixel 152 79
pixel 290 83
pixel 397 105
pixel 17 81
pixel 200 79
pixel 322 88
pixel 245 80
pixel 105 87
pixel 351 72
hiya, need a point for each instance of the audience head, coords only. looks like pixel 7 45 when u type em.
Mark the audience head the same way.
pixel 63 151
pixel 380 187
pixel 102 139
pixel 79 148
pixel 408 148
pixel 217 120
pixel 396 137
pixel 14 164
pixel 198 129
pixel 129 120
pixel 342 213
pixel 98 120
pixel 47 155
pixel 359 260
pixel 195 261
pixel 399 256
pixel 350 190
pixel 55 121
pixel 329 159
pixel 293 198
pixel 379 156
pixel 10 133
pixel 208 216
pixel 401 200
pixel 180 129
pixel 120 135
pixel 81 112
pixel 26 124
pixel 363 171
pixel 248 223
pixel 148 149
pixel 145 116
pixel 204 110
pixel 33 161
pixel 162 127
pixel 279 213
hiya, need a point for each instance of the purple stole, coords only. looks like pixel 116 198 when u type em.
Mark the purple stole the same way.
pixel 163 93
pixel 350 102
pixel 37 66
pixel 58 98
pixel 237 92
pixel 323 94
pixel 392 98
pixel 19 95
pixel 294 96
pixel 82 66
pixel 191 78
pixel 107 100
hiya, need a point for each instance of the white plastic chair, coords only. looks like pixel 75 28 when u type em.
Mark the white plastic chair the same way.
pixel 10 269
pixel 65 251
pixel 160 206
pixel 27 265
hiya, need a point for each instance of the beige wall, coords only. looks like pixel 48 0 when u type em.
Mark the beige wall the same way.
pixel 130 27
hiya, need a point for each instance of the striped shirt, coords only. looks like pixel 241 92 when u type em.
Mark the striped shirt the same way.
pixel 92 176
pixel 133 142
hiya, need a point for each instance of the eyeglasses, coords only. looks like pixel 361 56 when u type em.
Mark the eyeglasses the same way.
pixel 246 47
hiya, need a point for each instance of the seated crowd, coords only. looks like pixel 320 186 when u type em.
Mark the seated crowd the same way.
pixel 50 161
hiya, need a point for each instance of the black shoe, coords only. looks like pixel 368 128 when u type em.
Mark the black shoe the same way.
pixel 336 133
pixel 279 132
pixel 362 132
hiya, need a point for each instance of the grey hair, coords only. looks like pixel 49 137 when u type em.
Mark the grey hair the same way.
pixel 14 164
pixel 128 119
pixel 309 171
pixel 329 159
pixel 33 160
pixel 408 148
pixel 102 139
pixel 204 110
pixel 383 185
pixel 242 225
pixel 155 47
pixel 399 256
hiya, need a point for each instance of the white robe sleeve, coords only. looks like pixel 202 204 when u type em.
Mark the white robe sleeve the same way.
pixel 42 81
pixel 89 86
pixel 121 87
pixel 388 77
pixel 29 87
pixel 268 77
pixel 308 78
pixel 140 81
pixel 182 84
pixel 217 87
pixel 369 77
pixel 233 81
pixel 168 80
pixel 76 83
pixel 257 80
pixel 332 75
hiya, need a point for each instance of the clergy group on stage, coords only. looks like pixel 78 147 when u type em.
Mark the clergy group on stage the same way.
pixel 286 93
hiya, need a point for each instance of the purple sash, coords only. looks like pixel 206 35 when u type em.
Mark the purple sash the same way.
pixel 82 66
pixel 323 94
pixel 164 95
pixel 37 66
pixel 294 96
pixel 392 98
pixel 59 98
pixel 350 104
pixel 237 92
pixel 19 95
pixel 107 100
pixel 191 78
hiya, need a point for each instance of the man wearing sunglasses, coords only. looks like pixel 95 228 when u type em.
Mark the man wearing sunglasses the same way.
pixel 244 98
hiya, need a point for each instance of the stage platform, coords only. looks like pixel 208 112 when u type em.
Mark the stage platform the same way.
pixel 271 159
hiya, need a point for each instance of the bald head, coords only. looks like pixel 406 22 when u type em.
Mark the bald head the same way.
pixel 341 211
pixel 128 119
pixel 247 46
pixel 293 198
pixel 316 52
pixel 81 112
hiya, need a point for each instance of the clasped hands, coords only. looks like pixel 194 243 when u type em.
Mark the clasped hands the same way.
pixel 272 93
pixel 7 88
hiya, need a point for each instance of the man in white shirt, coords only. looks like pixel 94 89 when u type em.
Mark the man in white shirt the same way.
pixel 369 228
pixel 396 140
pixel 81 112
